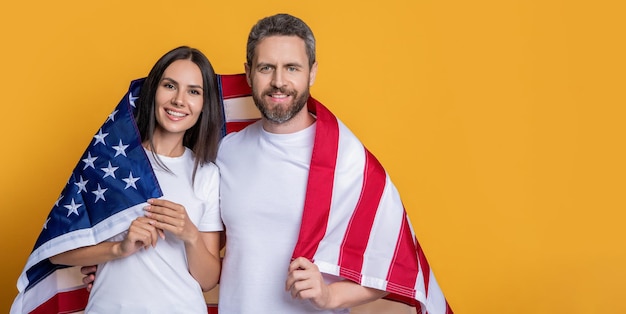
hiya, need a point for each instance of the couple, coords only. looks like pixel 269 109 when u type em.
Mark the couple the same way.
pixel 312 222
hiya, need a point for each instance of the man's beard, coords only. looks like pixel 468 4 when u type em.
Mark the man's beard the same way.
pixel 280 114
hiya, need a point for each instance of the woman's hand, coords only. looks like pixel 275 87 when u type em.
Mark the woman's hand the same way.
pixel 172 217
pixel 141 234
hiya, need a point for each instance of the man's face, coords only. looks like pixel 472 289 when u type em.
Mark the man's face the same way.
pixel 280 77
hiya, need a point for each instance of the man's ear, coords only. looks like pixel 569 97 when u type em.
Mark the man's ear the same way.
pixel 313 73
pixel 246 68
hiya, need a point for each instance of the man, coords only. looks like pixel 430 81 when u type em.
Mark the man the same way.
pixel 267 184
pixel 264 171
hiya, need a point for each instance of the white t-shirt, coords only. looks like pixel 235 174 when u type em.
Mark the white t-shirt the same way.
pixel 262 190
pixel 157 280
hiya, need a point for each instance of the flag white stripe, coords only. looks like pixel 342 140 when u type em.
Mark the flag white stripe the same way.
pixel 240 109
pixel 435 302
pixel 382 242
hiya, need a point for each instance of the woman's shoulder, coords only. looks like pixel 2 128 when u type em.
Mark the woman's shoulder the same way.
pixel 207 179
pixel 207 169
pixel 204 169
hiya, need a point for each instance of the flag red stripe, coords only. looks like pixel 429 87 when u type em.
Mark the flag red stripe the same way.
pixel 320 182
pixel 237 126
pixel 360 225
pixel 406 300
pixel 64 302
pixel 448 308
pixel 425 268
pixel 212 308
pixel 403 273
pixel 234 85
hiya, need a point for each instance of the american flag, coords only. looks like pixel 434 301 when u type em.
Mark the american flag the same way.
pixel 370 242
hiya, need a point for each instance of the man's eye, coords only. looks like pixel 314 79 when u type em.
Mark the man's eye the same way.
pixel 264 69
pixel 291 69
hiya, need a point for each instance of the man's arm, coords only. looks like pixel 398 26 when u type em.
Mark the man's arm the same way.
pixel 305 282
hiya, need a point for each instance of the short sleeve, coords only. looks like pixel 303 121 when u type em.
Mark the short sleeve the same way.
pixel 206 188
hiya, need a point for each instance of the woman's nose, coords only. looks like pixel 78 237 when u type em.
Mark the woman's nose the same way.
pixel 178 100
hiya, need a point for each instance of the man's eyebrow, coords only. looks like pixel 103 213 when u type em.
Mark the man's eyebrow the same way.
pixel 264 64
pixel 272 65
pixel 294 64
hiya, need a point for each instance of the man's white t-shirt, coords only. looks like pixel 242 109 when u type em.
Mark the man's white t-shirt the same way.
pixel 157 280
pixel 262 189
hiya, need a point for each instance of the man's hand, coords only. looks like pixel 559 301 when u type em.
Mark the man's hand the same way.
pixel 90 275
pixel 305 281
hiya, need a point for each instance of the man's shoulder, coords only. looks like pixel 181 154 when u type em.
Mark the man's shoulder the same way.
pixel 234 140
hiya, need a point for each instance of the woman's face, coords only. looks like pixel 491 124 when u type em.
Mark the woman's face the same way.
pixel 179 97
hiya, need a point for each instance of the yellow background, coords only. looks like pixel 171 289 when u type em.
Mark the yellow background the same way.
pixel 501 123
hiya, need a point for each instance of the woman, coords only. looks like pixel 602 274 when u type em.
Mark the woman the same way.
pixel 164 261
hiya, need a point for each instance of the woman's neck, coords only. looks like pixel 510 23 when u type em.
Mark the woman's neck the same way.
pixel 170 146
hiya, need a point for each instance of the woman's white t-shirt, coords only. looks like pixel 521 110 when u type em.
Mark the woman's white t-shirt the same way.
pixel 157 280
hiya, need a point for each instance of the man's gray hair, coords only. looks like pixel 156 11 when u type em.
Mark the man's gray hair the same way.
pixel 280 25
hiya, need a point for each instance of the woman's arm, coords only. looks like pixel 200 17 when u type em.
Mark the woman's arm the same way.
pixel 203 259
pixel 141 234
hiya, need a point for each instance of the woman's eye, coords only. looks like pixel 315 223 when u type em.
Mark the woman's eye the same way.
pixel 195 92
